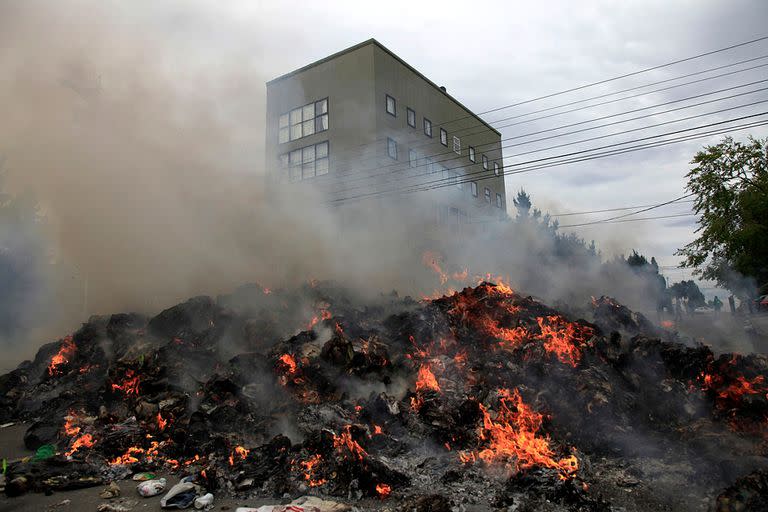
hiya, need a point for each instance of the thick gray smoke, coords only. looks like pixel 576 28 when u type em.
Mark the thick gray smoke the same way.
pixel 138 126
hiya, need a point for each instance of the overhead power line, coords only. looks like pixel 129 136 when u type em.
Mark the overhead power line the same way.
pixel 585 86
pixel 552 161
pixel 549 148
pixel 624 208
pixel 616 218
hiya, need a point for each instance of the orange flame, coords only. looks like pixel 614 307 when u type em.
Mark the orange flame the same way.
pixel 130 385
pixel 383 490
pixel 562 338
pixel 430 259
pixel 512 438
pixel 161 423
pixel 309 466
pixel 240 451
pixel 290 362
pixel 344 440
pixel 84 441
pixel 425 380
pixel 63 356
pixel 132 454
pixel 70 424
pixel 668 324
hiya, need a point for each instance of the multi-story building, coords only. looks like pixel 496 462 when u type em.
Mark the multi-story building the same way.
pixel 363 125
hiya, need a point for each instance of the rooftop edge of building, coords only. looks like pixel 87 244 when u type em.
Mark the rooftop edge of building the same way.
pixel 394 55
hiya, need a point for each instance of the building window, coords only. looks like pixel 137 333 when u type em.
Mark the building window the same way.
pixel 496 168
pixel 473 188
pixel 427 127
pixel 411 117
pixel 456 145
pixel 499 202
pixel 443 137
pixel 485 162
pixel 303 121
pixel 487 194
pixel 412 158
pixel 391 148
pixel 471 154
pixel 391 105
pixel 306 162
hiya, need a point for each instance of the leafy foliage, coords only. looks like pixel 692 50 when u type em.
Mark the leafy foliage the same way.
pixel 730 182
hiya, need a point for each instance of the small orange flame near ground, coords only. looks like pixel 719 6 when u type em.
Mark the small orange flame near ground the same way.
pixel 241 453
pixel 512 439
pixel 668 324
pixel 161 423
pixel 383 490
pixel 130 385
pixel 344 440
pixel 309 467
pixel 84 441
pixel 290 363
pixel 425 380
pixel 63 356
pixel 70 424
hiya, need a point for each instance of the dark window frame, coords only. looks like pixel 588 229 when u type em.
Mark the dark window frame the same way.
pixel 387 97
pixel 487 195
pixel 472 154
pixel 499 200
pixel 408 112
pixel 289 165
pixel 443 137
pixel 315 119
pixel 473 188
pixel 486 163
pixel 427 122
pixel 394 142
pixel 496 169
pixel 412 161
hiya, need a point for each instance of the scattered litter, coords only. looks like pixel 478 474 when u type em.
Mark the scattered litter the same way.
pixel 181 495
pixel 204 502
pixel 46 451
pixel 142 477
pixel 6 425
pixel 303 504
pixel 151 487
pixel 112 491
pixel 122 505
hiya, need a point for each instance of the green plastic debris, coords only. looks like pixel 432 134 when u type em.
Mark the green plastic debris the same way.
pixel 5 465
pixel 143 477
pixel 45 452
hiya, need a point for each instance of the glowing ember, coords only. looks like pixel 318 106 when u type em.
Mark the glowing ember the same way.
pixel 309 467
pixel 130 385
pixel 63 356
pixel 241 453
pixel 425 380
pixel 512 440
pixel 377 430
pixel 667 324
pixel 344 440
pixel 290 363
pixel 70 424
pixel 562 338
pixel 161 423
pixel 383 490
pixel 84 441
pixel 132 454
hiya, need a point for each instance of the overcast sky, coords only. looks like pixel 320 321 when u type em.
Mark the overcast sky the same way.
pixel 487 54
pixel 490 54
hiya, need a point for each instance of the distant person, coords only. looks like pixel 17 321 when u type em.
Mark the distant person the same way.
pixel 732 304
pixel 717 304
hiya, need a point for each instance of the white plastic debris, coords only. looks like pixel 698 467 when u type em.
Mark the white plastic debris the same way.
pixel 179 495
pixel 151 487
pixel 204 501
pixel 303 504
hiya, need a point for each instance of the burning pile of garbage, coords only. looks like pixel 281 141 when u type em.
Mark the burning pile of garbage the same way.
pixel 484 396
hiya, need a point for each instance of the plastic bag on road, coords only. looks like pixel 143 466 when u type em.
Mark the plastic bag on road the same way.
pixel 151 487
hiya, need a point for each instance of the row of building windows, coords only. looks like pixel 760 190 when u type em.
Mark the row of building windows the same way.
pixel 390 105
pixel 433 167
pixel 303 121
pixel 307 162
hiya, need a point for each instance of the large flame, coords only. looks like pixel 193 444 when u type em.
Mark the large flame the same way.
pixel 344 440
pixel 512 440
pixel 562 338
pixel 130 384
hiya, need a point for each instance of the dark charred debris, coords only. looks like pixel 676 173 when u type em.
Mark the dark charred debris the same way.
pixel 485 398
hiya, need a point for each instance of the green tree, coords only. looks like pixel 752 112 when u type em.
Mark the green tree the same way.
pixel 730 182
pixel 688 290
